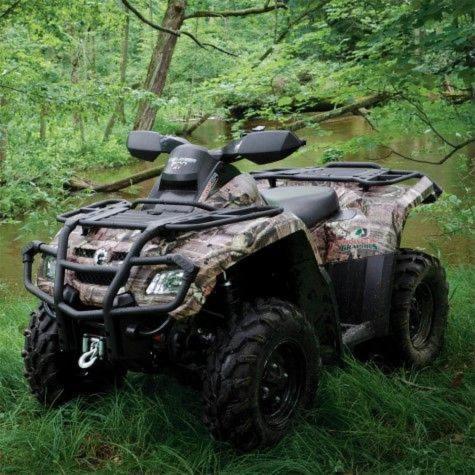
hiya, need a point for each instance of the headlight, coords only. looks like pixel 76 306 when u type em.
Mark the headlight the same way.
pixel 49 267
pixel 168 282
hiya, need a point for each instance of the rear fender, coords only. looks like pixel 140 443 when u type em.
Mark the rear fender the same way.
pixel 423 192
pixel 376 223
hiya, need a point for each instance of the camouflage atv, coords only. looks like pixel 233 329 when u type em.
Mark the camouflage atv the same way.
pixel 250 281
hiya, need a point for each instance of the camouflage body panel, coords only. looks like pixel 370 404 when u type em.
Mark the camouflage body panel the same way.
pixel 371 224
pixel 242 190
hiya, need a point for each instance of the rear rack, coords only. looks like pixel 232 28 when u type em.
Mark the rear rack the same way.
pixel 365 174
pixel 121 214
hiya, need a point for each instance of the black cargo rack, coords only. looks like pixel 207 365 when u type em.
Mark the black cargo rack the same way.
pixel 121 214
pixel 366 174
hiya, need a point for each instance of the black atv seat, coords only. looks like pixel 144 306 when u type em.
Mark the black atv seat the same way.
pixel 309 203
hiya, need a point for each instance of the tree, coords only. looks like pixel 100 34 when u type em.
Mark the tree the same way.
pixel 160 62
pixel 169 31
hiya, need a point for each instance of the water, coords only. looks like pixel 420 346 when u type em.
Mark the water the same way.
pixel 419 232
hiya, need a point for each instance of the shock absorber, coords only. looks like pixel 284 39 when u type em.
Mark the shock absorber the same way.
pixel 231 296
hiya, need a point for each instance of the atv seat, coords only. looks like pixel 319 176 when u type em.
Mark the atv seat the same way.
pixel 309 203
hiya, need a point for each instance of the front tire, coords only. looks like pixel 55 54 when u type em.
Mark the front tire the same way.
pixel 419 308
pixel 264 370
pixel 54 376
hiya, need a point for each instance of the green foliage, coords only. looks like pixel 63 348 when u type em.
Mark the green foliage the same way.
pixel 454 216
pixel 59 86
pixel 332 154
pixel 35 173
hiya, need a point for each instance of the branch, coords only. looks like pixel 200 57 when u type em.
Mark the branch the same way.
pixel 289 27
pixel 10 9
pixel 148 22
pixel 244 12
pixel 22 91
pixel 78 184
pixel 455 148
pixel 34 95
pixel 173 32
pixel 366 102
pixel 210 45
pixel 425 118
pixel 190 129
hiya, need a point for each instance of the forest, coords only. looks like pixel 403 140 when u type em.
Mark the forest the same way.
pixel 371 80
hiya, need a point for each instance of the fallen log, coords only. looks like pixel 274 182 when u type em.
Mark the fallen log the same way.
pixel 78 184
pixel 189 129
pixel 349 108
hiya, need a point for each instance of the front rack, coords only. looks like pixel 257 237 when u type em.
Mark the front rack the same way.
pixel 120 214
pixel 365 174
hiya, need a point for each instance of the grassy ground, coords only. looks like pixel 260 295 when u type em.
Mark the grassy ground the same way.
pixel 406 422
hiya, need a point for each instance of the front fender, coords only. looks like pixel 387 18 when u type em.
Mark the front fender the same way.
pixel 216 250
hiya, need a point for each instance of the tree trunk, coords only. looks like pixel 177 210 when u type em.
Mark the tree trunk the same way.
pixel 77 184
pixel 110 124
pixel 93 54
pixel 3 145
pixel 189 129
pixel 350 108
pixel 160 62
pixel 151 37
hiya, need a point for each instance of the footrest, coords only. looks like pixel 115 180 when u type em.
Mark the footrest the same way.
pixel 355 334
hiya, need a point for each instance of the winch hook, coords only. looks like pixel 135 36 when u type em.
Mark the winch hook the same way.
pixel 88 358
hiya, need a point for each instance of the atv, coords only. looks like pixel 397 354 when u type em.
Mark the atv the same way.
pixel 248 283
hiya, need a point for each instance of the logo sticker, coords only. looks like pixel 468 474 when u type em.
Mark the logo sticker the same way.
pixel 359 233
pixel 100 257
pixel 179 162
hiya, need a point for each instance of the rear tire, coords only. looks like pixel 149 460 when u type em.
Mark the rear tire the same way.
pixel 419 308
pixel 54 376
pixel 264 370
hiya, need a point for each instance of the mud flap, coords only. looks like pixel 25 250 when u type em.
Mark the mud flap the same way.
pixel 363 292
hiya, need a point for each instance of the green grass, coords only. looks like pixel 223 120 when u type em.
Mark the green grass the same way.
pixel 365 422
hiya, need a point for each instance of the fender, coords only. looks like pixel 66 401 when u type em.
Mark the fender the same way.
pixel 217 250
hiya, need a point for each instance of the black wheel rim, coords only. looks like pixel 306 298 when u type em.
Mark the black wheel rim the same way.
pixel 282 383
pixel 420 317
